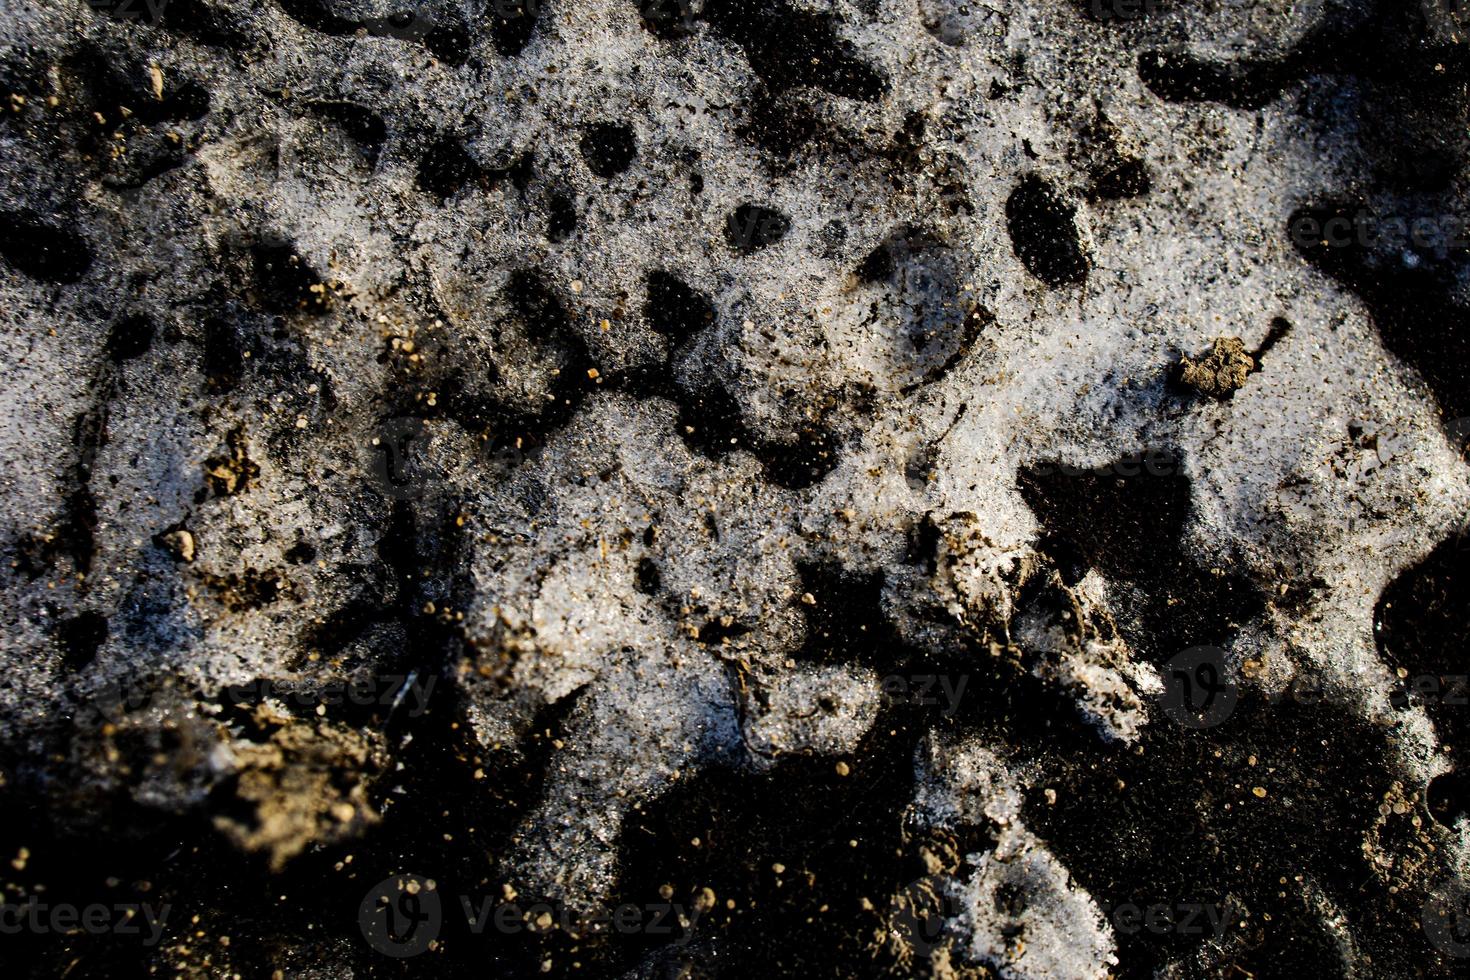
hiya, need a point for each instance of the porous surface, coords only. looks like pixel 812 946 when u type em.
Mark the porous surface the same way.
pixel 765 455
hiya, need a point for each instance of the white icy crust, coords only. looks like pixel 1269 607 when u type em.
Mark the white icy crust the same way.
pixel 1042 926
pixel 1280 490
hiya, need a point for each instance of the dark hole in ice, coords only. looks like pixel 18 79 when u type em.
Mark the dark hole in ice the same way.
pixel 727 829
pixel 752 226
pixel 43 252
pixel 781 125
pixel 512 23
pixel 801 462
pixel 789 47
pixel 319 16
pixel 450 43
pixel 284 280
pixel 224 352
pixel 649 578
pixel 1128 177
pixel 81 637
pixel 1421 627
pixel 668 20
pixel 1325 773
pixel 130 337
pixel 608 148
pixel 674 308
pixel 446 166
pixel 561 217
pixel 202 22
pixel 1043 233
pixel 844 620
pixel 1449 797
pixel 301 553
pixel 361 124
pixel 1177 76
pixel 1126 519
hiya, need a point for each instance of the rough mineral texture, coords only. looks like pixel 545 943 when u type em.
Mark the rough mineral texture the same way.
pixel 734 488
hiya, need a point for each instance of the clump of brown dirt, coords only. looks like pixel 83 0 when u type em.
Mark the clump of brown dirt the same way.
pixel 1220 372
pixel 306 783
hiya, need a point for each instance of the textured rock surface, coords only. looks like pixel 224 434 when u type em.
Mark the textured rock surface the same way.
pixel 768 460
